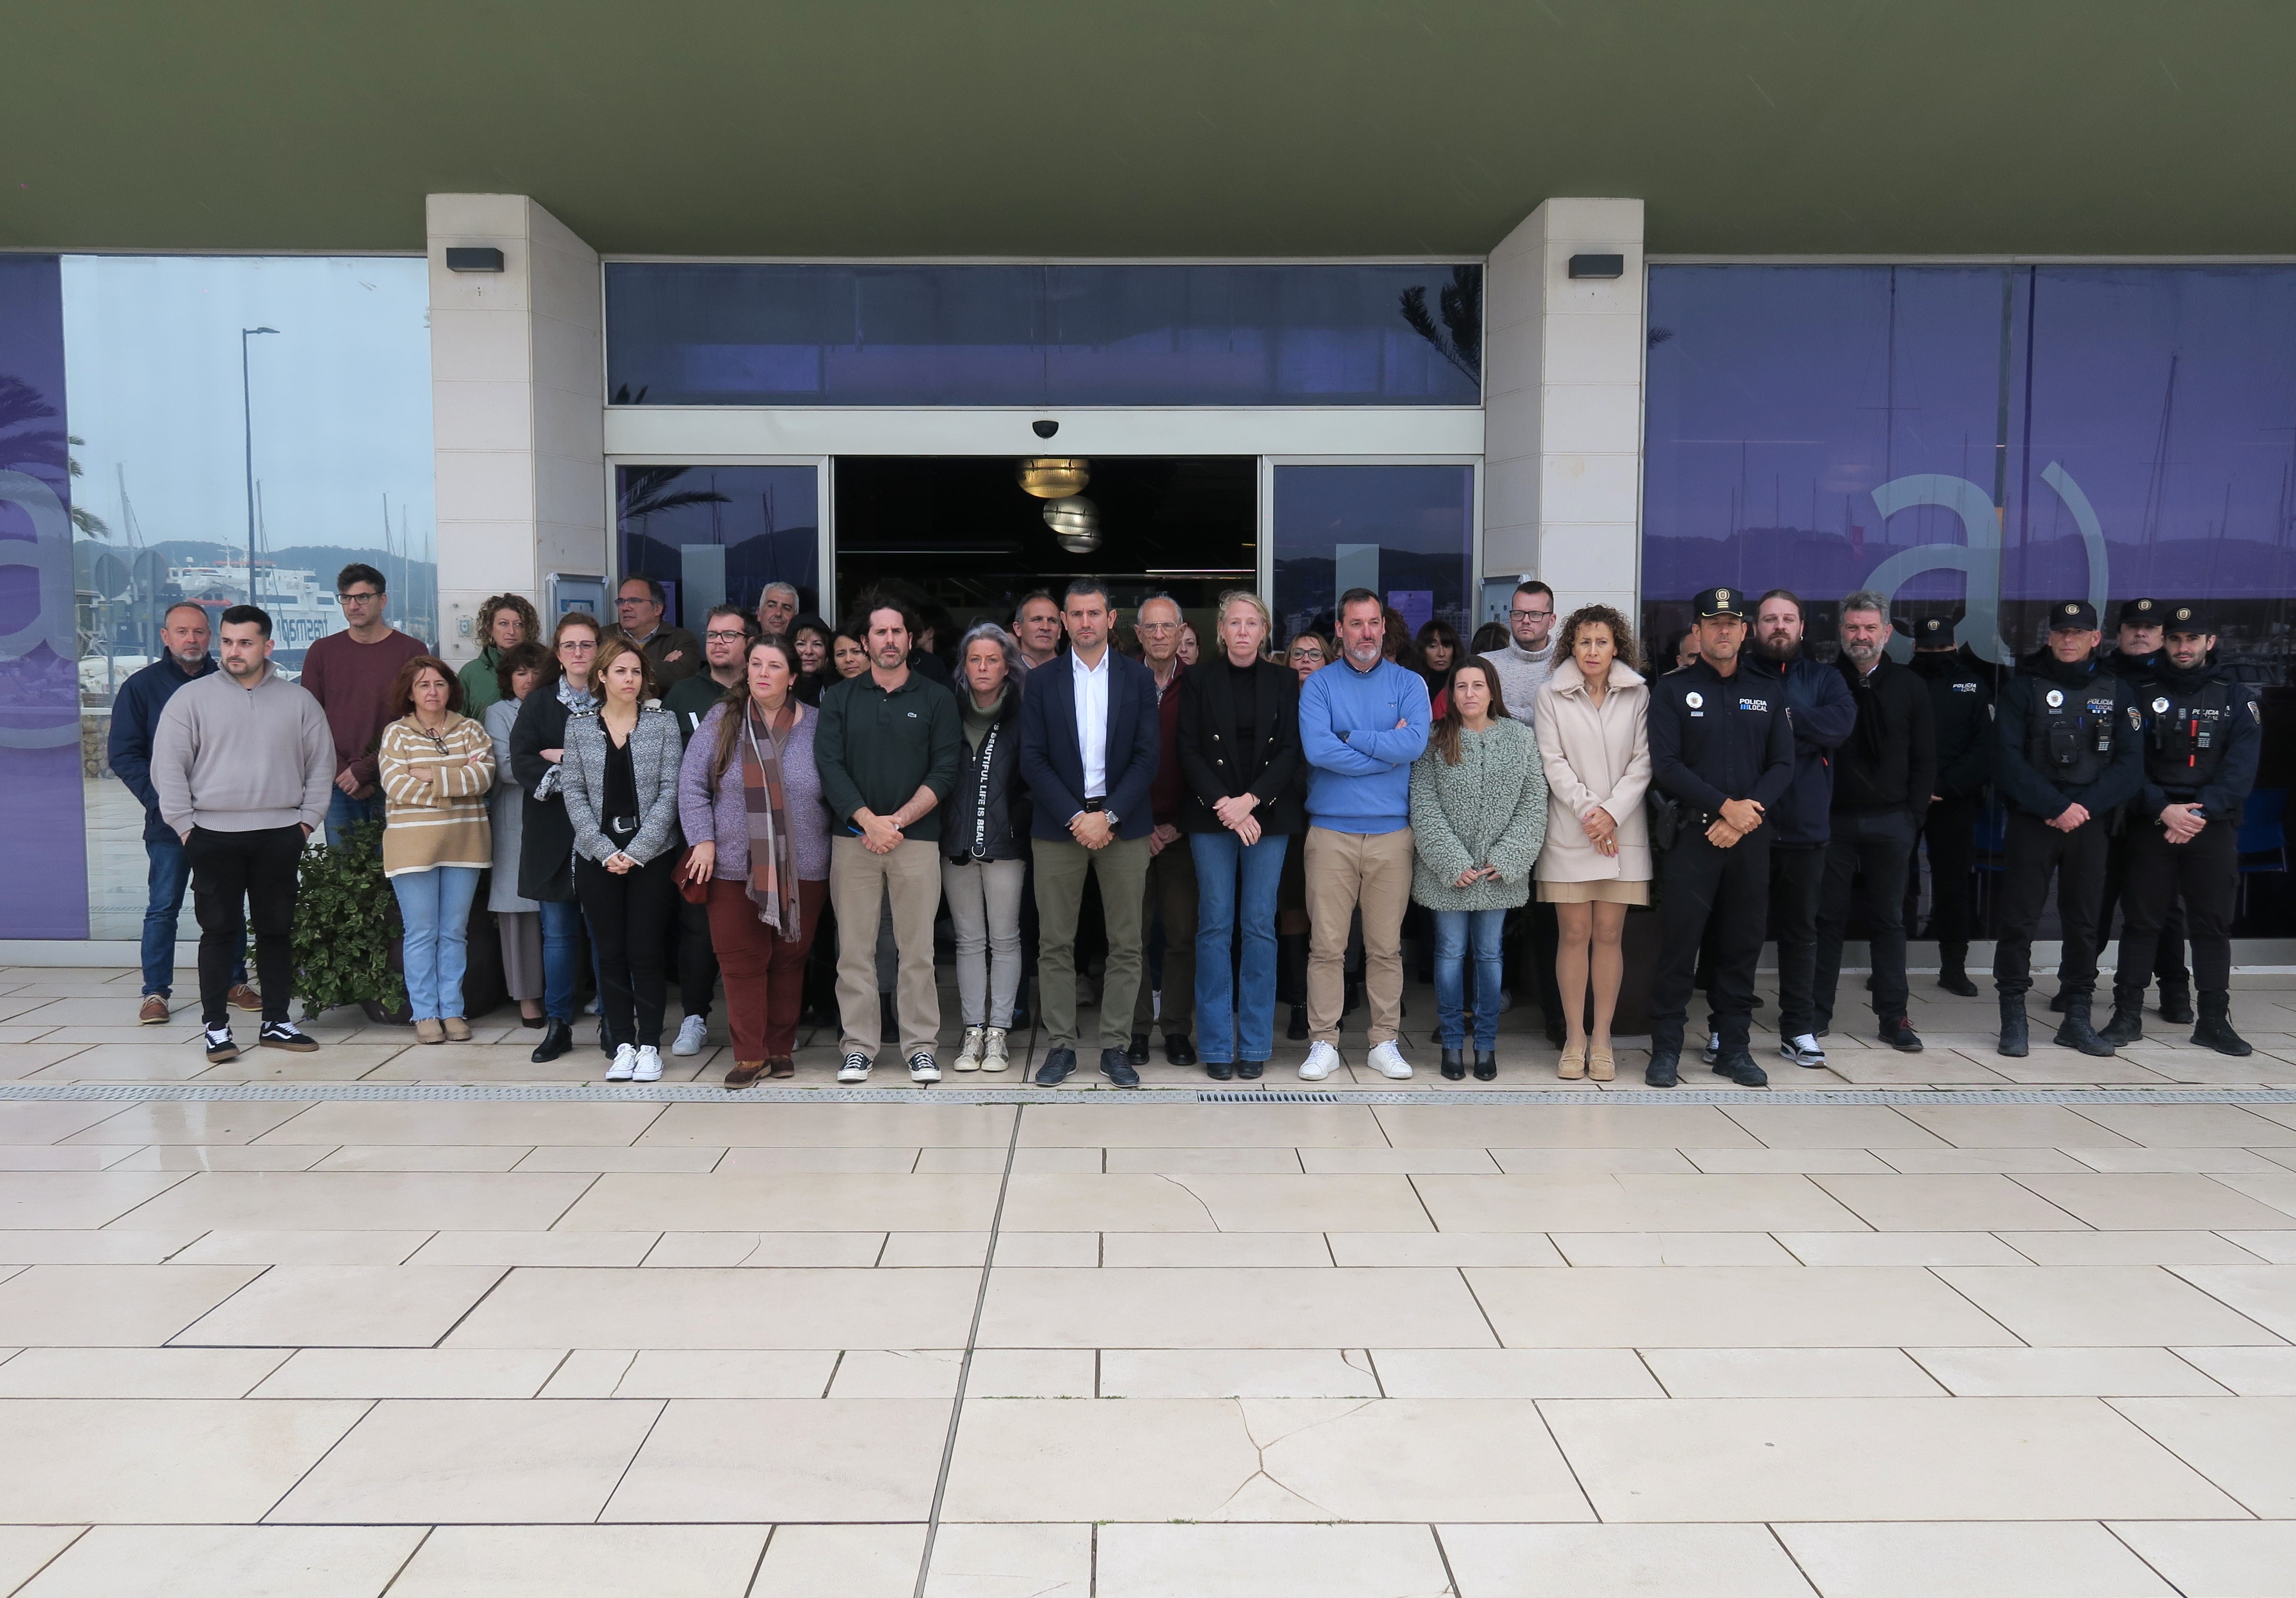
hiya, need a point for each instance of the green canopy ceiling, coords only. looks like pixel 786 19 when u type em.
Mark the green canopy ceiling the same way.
pixel 1158 127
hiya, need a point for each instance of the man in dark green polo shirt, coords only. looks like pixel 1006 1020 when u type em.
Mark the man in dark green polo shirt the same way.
pixel 889 748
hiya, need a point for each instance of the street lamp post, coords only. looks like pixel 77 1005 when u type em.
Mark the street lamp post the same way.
pixel 247 416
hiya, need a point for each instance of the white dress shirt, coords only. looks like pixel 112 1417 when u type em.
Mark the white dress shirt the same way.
pixel 1092 720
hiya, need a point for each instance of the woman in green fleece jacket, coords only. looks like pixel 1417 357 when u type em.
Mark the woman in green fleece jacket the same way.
pixel 1478 821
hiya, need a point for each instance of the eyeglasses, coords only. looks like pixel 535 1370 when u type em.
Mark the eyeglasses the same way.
pixel 1155 626
pixel 367 598
pixel 1532 615
pixel 577 646
pixel 722 636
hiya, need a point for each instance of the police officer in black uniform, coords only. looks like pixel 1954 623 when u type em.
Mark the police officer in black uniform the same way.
pixel 1961 716
pixel 1722 749
pixel 2067 756
pixel 2135 657
pixel 2202 734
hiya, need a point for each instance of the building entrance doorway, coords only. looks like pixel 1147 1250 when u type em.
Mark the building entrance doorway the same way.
pixel 960 534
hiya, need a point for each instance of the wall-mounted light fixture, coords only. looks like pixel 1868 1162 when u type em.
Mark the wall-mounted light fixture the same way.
pixel 1598 265
pixel 473 257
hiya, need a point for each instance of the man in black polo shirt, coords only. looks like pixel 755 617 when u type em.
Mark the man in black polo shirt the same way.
pixel 1722 747
pixel 889 749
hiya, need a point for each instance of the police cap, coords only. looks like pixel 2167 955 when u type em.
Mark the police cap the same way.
pixel 1933 631
pixel 2073 616
pixel 1720 601
pixel 2143 612
pixel 2186 617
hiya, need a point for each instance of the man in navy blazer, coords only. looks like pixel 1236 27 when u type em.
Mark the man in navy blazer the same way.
pixel 1089 750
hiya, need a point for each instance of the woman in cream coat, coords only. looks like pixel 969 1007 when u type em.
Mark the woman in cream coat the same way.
pixel 1593 721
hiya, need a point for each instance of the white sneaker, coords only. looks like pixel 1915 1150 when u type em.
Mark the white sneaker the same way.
pixel 855 1069
pixel 1713 1047
pixel 626 1060
pixel 689 1036
pixel 996 1054
pixel 1388 1061
pixel 649 1065
pixel 921 1068
pixel 968 1057
pixel 1322 1061
pixel 1804 1051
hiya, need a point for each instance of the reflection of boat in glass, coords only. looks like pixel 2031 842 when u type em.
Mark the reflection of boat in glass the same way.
pixel 302 608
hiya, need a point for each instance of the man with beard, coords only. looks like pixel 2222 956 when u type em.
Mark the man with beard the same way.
pixel 1721 744
pixel 2069 750
pixel 2202 734
pixel 1882 779
pixel 1961 716
pixel 1822 716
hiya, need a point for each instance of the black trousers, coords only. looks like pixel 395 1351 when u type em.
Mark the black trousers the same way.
pixel 2032 850
pixel 697 958
pixel 1950 835
pixel 1731 887
pixel 630 917
pixel 236 876
pixel 1797 871
pixel 1868 855
pixel 2166 965
pixel 2202 875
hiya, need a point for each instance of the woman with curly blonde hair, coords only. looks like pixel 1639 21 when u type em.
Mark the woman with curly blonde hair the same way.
pixel 1593 721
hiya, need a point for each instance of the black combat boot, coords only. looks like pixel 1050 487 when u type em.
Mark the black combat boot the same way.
pixel 2215 1030
pixel 2077 1033
pixel 1952 975
pixel 2127 1022
pixel 2175 1003
pixel 2012 1026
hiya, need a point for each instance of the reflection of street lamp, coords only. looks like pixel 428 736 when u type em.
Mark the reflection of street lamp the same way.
pixel 246 416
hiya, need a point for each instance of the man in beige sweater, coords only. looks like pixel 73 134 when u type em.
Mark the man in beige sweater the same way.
pixel 243 762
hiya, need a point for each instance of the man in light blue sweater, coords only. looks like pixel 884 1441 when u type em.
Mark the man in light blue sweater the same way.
pixel 1363 721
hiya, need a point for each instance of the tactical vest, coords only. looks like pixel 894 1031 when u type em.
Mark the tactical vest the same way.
pixel 2185 734
pixel 2069 731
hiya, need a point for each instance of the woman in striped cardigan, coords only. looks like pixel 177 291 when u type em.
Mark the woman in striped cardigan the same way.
pixel 436 765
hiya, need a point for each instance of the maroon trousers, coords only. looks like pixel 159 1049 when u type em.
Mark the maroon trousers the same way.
pixel 763 971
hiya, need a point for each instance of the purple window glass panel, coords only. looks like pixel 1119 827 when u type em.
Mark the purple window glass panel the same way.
pixel 717 534
pixel 732 333
pixel 1405 532
pixel 44 893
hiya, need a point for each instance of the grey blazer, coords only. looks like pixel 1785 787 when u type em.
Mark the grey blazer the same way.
pixel 655 751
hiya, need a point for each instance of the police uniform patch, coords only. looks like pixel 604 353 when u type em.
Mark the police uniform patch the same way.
pixel 2072 609
pixel 2256 712
pixel 2160 707
pixel 2135 722
pixel 2183 613
pixel 1721 596
pixel 2055 697
pixel 1696 702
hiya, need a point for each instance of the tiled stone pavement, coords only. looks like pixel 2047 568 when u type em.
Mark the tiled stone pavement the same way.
pixel 1943 1344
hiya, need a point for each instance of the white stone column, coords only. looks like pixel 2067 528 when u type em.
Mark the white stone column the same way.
pixel 518 412
pixel 1562 397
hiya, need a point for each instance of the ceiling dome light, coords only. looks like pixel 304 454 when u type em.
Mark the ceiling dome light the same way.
pixel 1075 521
pixel 1054 477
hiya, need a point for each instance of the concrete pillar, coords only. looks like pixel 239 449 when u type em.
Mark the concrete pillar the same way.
pixel 518 411
pixel 1562 399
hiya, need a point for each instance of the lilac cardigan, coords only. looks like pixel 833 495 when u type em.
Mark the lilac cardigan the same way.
pixel 723 818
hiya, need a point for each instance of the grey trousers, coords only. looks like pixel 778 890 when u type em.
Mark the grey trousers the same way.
pixel 984 906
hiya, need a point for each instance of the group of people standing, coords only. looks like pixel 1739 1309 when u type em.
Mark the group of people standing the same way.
pixel 709 805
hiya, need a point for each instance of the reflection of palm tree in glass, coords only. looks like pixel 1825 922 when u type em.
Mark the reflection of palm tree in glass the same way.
pixel 21 403
pixel 647 490
pixel 1460 339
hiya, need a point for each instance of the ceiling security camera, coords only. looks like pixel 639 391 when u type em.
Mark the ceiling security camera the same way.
pixel 1045 429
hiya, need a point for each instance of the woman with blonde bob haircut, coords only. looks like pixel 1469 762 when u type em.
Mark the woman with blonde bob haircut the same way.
pixel 1593 721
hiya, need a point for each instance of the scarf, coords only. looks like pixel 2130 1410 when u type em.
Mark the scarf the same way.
pixel 575 699
pixel 773 852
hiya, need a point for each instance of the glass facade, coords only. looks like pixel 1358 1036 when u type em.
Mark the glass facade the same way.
pixel 215 405
pixel 734 335
pixel 1405 532
pixel 717 534
pixel 1979 442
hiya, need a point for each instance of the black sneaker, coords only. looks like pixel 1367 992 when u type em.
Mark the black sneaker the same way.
pixel 1059 1066
pixel 1662 1070
pixel 1248 1070
pixel 856 1068
pixel 1116 1068
pixel 923 1068
pixel 1220 1070
pixel 282 1035
pixel 1897 1032
pixel 221 1046
pixel 1739 1066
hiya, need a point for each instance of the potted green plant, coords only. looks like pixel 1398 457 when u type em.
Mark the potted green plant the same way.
pixel 346 928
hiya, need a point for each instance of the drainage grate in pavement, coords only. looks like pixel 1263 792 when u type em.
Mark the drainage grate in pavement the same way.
pixel 696 1093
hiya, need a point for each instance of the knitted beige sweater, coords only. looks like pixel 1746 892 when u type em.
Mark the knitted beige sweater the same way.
pixel 441 822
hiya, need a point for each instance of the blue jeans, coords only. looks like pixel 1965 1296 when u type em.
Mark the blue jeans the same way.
pixel 169 875
pixel 436 907
pixel 562 956
pixel 344 812
pixel 1235 1019
pixel 1454 930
